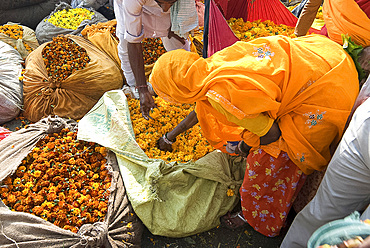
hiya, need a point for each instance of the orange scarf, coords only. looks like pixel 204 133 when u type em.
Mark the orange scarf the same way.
pixel 308 85
pixel 346 17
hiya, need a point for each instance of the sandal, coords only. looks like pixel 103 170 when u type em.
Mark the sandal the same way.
pixel 233 220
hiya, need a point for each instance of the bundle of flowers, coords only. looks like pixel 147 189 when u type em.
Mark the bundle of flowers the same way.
pixel 190 145
pixel 63 180
pixel 70 18
pixel 14 31
pixel 62 57
pixel 247 31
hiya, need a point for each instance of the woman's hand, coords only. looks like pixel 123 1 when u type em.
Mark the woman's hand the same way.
pixel 242 149
pixel 162 145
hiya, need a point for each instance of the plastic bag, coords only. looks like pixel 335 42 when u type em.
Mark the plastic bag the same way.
pixel 10 86
pixel 336 231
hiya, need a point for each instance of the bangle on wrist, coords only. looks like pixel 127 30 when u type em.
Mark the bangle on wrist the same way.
pixel 240 147
pixel 166 140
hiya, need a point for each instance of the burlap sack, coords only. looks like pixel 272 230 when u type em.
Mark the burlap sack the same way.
pixel 19 229
pixel 74 96
pixel 29 38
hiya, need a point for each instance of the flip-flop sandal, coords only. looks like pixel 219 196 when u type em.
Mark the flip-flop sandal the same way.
pixel 233 221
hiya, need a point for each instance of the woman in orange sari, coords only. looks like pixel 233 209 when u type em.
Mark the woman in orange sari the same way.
pixel 300 90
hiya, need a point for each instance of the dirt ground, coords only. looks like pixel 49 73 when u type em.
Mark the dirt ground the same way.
pixel 219 237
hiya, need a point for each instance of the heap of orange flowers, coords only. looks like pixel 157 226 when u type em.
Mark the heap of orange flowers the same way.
pixel 190 145
pixel 247 31
pixel 14 31
pixel 63 181
pixel 62 57
pixel 152 49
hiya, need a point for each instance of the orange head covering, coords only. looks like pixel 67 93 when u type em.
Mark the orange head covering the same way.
pixel 307 85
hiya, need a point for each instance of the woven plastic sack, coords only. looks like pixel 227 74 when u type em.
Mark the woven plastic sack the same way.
pixel 10 86
pixel 171 199
pixel 337 231
pixel 74 96
pixel 29 38
pixel 20 229
pixel 45 31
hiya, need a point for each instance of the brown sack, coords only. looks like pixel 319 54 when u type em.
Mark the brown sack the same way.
pixel 76 95
pixel 100 35
pixel 120 228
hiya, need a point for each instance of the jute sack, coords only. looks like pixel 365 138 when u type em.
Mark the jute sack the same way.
pixel 20 229
pixel 74 96
pixel 29 38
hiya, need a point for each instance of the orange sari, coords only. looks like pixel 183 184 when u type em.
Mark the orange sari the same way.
pixel 307 84
pixel 346 17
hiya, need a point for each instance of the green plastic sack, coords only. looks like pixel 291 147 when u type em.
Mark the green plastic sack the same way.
pixel 171 199
pixel 335 232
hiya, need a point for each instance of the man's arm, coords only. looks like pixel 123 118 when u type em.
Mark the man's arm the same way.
pixel 135 54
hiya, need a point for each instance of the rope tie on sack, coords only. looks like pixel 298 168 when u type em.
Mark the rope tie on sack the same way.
pixel 8 238
pixel 93 235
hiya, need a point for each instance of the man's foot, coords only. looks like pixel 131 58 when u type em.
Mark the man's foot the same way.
pixel 233 220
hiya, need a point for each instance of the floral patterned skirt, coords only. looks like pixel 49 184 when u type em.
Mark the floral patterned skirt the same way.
pixel 269 188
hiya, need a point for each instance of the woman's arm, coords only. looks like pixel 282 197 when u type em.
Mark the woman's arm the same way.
pixel 165 142
pixel 271 136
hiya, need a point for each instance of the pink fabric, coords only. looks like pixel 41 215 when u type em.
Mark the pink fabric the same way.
pixel 200 9
pixel 220 35
pixel 4 133
pixel 365 6
pixel 273 10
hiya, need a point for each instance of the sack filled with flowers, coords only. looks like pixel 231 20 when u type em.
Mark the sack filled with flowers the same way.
pixel 22 38
pixel 173 199
pixel 11 97
pixel 66 77
pixel 103 36
pixel 57 191
pixel 66 20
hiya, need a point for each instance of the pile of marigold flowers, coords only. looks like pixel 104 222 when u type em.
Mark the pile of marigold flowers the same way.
pixel 152 49
pixel 63 181
pixel 15 32
pixel 71 18
pixel 62 57
pixel 190 145
pixel 247 31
